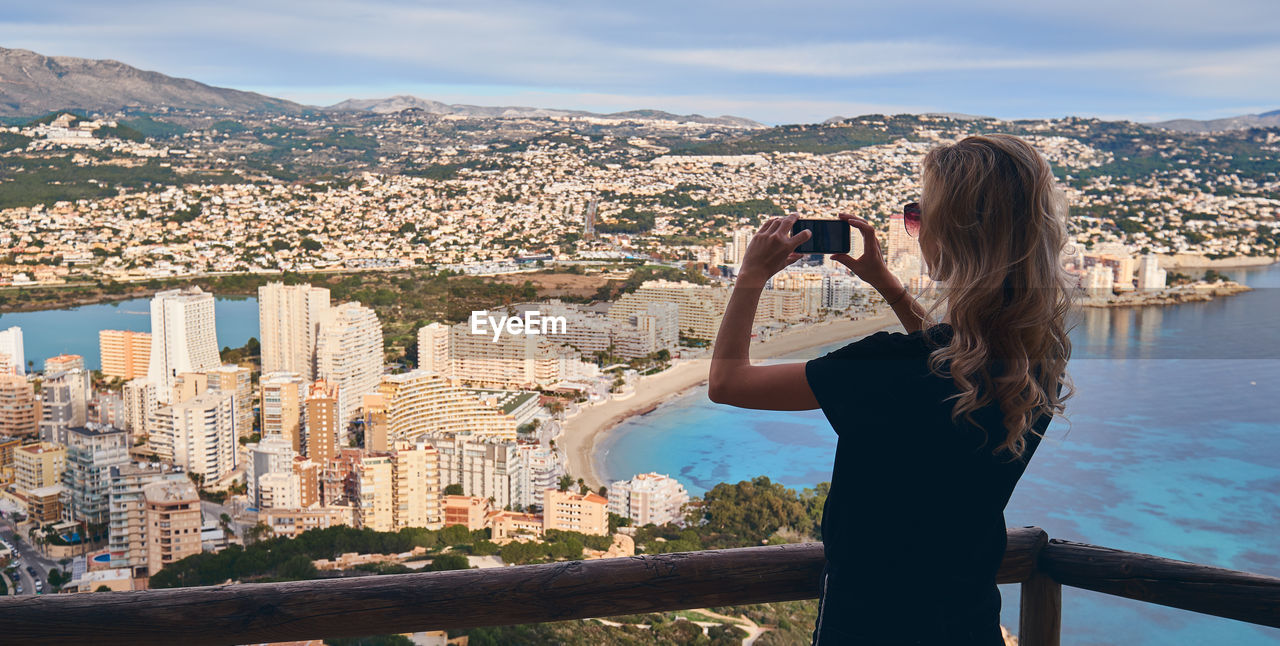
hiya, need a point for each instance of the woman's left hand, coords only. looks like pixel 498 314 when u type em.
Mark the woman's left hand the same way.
pixel 772 249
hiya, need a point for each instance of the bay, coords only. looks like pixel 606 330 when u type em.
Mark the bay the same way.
pixel 74 330
pixel 1171 446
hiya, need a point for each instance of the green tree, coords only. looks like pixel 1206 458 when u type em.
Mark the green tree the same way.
pixel 453 490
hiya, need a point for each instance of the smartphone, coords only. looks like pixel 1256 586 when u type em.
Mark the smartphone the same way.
pixel 827 236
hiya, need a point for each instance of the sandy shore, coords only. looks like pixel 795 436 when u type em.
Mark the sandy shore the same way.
pixel 584 430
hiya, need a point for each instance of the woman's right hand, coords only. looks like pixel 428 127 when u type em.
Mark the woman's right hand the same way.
pixel 870 266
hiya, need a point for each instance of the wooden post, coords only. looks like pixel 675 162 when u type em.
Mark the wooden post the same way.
pixel 1040 622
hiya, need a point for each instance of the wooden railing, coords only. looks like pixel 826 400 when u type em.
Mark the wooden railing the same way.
pixel 351 607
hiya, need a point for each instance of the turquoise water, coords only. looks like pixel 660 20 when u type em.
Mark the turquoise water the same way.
pixel 1171 447
pixel 48 333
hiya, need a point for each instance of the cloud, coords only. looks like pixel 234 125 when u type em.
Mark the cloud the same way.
pixel 757 58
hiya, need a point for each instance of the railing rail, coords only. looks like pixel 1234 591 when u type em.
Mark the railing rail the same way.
pixel 350 607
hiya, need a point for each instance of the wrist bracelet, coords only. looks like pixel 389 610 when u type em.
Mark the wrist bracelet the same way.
pixel 900 296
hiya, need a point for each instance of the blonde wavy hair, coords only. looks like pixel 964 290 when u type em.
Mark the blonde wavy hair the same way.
pixel 997 220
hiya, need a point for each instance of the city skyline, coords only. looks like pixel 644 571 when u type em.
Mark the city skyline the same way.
pixel 775 65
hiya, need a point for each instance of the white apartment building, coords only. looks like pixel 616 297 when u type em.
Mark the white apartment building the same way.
pixel 485 467
pixel 238 381
pixel 1150 275
pixel 128 515
pixel 699 307
pixel 279 490
pixel 652 328
pixel 92 451
pixel 648 498
pixel 64 402
pixel 289 319
pixel 433 348
pixel 273 455
pixel 512 361
pixel 183 337
pixel 140 401
pixel 422 403
pixel 198 434
pixel 349 355
pixel 542 470
pixel 13 359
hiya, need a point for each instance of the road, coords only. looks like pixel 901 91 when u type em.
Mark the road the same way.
pixel 27 555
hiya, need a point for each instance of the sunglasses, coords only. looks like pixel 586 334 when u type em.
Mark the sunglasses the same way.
pixel 911 218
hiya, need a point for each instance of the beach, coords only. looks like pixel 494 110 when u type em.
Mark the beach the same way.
pixel 583 431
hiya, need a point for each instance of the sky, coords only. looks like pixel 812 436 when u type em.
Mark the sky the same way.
pixel 796 61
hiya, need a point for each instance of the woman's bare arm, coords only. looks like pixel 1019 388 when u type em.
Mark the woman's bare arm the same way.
pixel 733 380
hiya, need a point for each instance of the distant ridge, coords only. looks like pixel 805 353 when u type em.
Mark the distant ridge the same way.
pixel 32 84
pixel 403 102
pixel 1265 120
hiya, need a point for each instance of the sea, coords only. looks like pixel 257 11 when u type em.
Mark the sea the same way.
pixel 1170 446
pixel 74 330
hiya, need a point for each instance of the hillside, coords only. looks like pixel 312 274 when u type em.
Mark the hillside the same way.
pixel 32 84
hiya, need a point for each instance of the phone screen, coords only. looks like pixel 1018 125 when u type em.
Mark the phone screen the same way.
pixel 829 236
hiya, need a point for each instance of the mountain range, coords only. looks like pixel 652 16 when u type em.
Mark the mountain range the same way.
pixel 405 102
pixel 33 84
pixel 1265 120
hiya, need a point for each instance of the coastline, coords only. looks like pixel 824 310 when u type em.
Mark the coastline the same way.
pixel 1195 293
pixel 583 431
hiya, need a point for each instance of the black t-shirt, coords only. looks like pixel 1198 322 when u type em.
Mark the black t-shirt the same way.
pixel 914 524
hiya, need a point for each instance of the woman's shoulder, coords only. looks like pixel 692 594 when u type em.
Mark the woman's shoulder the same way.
pixel 895 345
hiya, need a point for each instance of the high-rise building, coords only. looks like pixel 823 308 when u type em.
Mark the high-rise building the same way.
pixel 187 385
pixel 573 512
pixel 92 451
pixel 128 515
pixel 308 473
pixel 806 283
pixel 279 490
pixel 19 407
pixel 374 410
pixel 511 361
pixel 902 246
pixel 433 348
pixel 485 467
pixel 173 522
pixel 289 323
pixel 648 498
pixel 324 421
pixel 64 399
pixel 125 354
pixel 589 220
pixel 700 307
pixel 13 359
pixel 416 486
pixel 282 394
pixel 349 355
pixel 238 381
pixel 184 337
pixel 38 465
pixel 398 489
pixel 541 469
pixel 371 494
pixel 649 330
pixel 1150 275
pixel 198 435
pixel 420 403
pixel 140 401
pixel 738 248
pixel 272 455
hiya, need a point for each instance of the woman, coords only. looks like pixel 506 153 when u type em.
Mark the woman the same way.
pixel 935 426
